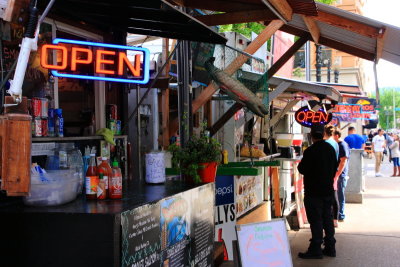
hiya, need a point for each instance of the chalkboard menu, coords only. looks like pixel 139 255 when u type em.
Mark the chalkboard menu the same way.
pixel 202 226
pixel 141 244
pixel 264 244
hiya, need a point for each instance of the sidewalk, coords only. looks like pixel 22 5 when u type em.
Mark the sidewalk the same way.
pixel 370 235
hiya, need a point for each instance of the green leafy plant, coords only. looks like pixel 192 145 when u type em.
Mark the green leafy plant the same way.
pixel 197 150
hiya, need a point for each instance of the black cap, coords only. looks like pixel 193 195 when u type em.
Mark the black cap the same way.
pixel 318 129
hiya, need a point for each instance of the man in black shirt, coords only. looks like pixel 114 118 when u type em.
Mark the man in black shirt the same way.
pixel 318 166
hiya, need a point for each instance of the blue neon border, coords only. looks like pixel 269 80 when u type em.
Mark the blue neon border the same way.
pixel 146 62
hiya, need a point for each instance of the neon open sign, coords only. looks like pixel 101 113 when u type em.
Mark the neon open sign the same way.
pixel 308 118
pixel 110 62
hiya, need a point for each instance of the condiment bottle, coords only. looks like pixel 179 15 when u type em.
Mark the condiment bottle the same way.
pixel 115 188
pixel 106 170
pixel 92 178
pixel 101 188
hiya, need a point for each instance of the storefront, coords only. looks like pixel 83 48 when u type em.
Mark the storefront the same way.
pixel 151 224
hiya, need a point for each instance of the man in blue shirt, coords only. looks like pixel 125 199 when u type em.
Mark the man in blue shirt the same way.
pixel 341 176
pixel 354 140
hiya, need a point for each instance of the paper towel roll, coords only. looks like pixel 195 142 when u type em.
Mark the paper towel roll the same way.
pixel 155 167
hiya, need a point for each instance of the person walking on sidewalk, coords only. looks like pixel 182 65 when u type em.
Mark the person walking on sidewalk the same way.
pixel 318 166
pixel 342 173
pixel 378 146
pixel 354 140
pixel 395 152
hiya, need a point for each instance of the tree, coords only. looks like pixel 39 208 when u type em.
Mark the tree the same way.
pixel 386 96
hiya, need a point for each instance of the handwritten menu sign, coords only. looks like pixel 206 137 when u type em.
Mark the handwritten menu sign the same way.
pixel 141 244
pixel 264 244
pixel 202 226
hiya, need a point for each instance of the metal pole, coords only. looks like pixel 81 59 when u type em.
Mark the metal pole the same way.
pixel 183 92
pixel 318 65
pixel 308 64
pixel 394 110
pixel 138 137
pixel 329 71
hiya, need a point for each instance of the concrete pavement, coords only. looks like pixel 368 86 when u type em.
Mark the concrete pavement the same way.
pixel 370 235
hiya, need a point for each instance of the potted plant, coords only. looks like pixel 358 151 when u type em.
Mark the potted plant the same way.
pixel 198 159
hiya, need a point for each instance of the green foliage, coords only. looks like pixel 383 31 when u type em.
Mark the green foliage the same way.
pixel 328 2
pixel 197 150
pixel 297 72
pixel 243 28
pixel 386 96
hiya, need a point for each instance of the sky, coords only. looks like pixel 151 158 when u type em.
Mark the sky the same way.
pixel 386 11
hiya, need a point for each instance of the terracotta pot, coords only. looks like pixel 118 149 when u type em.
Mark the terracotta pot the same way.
pixel 207 171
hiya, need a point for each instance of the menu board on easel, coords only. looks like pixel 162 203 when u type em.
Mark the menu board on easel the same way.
pixel 264 244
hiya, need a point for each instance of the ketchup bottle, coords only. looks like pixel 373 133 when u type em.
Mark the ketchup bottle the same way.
pixel 115 184
pixel 92 178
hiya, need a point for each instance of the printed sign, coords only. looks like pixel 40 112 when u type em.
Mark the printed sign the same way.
pixel 248 193
pixel 264 244
pixel 202 232
pixel 141 244
pixel 107 62
pixel 224 187
pixel 356 109
pixel 308 118
pixel 175 229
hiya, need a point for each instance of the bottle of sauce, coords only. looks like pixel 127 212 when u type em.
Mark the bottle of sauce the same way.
pixel 92 178
pixel 101 188
pixel 105 169
pixel 115 188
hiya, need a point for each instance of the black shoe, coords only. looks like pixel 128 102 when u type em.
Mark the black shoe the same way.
pixel 329 252
pixel 310 255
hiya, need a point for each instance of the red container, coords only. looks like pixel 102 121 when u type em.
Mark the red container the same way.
pixel 44 127
pixel 111 112
pixel 37 127
pixel 207 171
pixel 297 142
pixel 36 107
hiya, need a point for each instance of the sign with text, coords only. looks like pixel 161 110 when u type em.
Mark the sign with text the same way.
pixel 96 61
pixel 264 244
pixel 141 244
pixel 356 109
pixel 308 118
pixel 224 190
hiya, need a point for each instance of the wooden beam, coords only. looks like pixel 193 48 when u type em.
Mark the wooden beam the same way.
pixel 237 17
pixel 352 50
pixel 312 28
pixel 275 191
pixel 288 54
pixel 271 72
pixel 278 116
pixel 380 41
pixel 283 7
pixel 347 24
pixel 218 5
pixel 207 93
pixel 224 118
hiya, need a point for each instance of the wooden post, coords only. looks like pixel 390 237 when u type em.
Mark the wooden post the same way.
pixel 165 98
pixel 275 191
pixel 207 93
pixel 15 143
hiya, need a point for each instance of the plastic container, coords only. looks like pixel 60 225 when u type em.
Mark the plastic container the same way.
pixel 284 139
pixel 115 184
pixel 297 139
pixel 61 187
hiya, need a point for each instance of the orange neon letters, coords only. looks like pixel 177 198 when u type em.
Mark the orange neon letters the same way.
pixel 75 60
pixel 122 58
pixel 44 58
pixel 100 60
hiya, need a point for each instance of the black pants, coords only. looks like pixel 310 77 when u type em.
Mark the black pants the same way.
pixel 336 206
pixel 319 215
